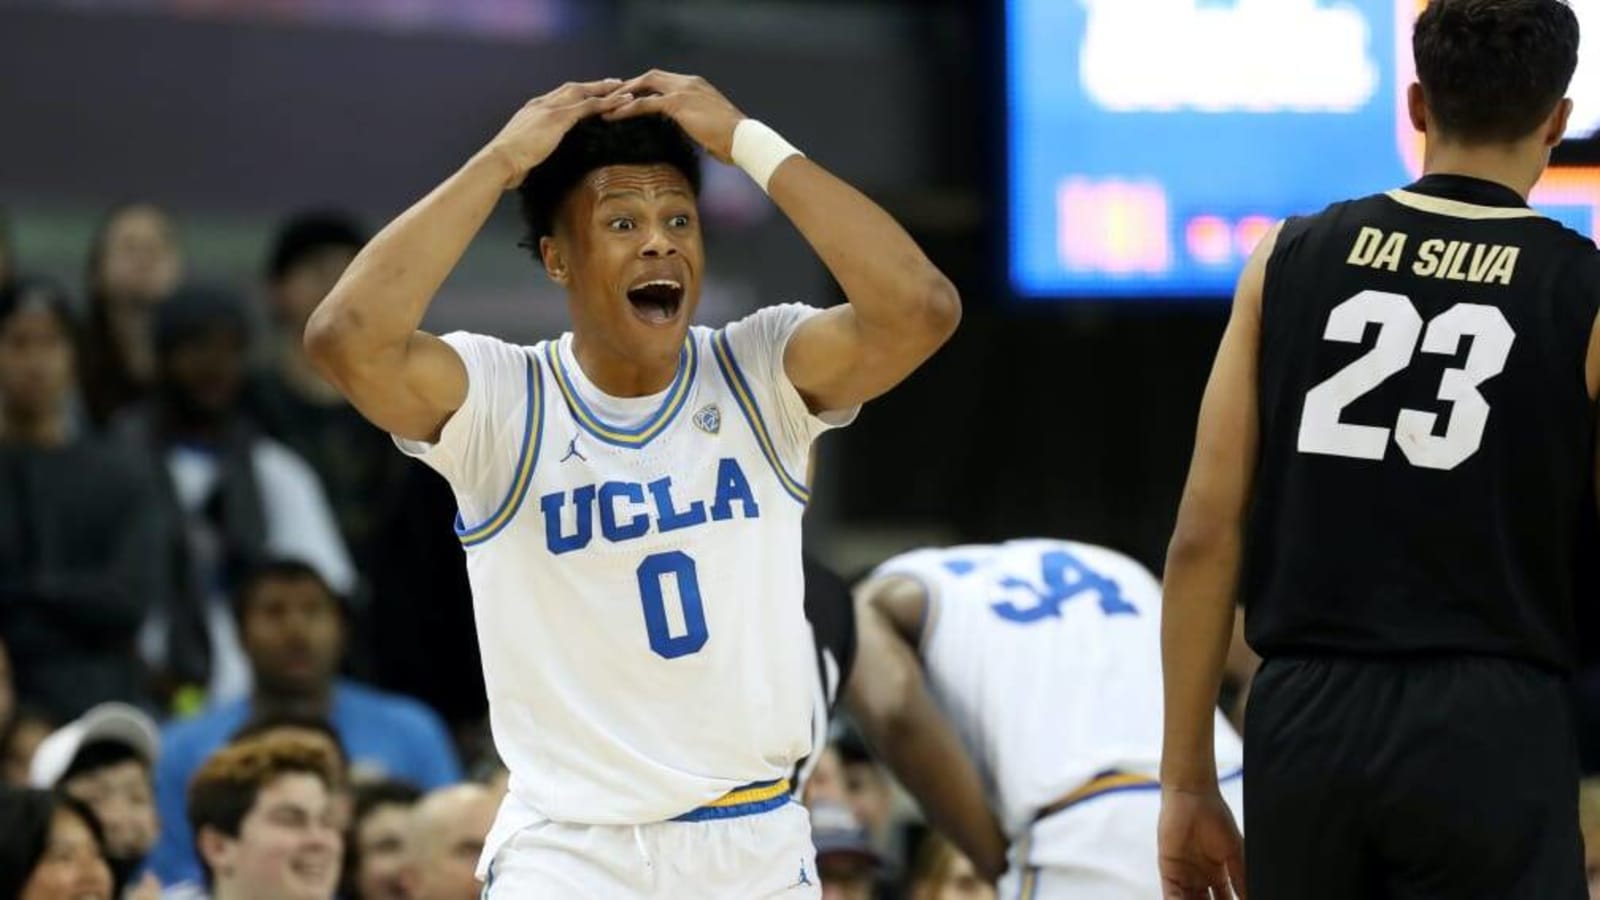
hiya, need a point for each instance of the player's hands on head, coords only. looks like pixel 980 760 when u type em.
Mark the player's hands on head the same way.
pixel 698 108
pixel 1200 848
pixel 533 133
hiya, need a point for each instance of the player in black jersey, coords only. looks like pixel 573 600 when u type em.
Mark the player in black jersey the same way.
pixel 1395 455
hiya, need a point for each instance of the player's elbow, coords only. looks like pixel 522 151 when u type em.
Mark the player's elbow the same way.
pixel 938 309
pixel 1196 542
pixel 331 341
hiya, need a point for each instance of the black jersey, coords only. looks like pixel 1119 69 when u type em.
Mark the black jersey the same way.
pixel 1427 438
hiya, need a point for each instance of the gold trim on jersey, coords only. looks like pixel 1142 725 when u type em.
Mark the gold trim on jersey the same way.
pixel 1457 209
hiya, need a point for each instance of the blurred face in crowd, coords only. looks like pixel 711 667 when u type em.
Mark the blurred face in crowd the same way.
pixel 445 841
pixel 27 733
pixel 205 372
pixel 122 799
pixel 304 285
pixel 287 849
pixel 35 362
pixel 71 867
pixel 826 784
pixel 293 633
pixel 8 690
pixel 870 798
pixel 845 876
pixel 958 880
pixel 381 846
pixel 140 262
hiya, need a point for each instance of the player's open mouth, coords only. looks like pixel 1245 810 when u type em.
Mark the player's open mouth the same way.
pixel 656 301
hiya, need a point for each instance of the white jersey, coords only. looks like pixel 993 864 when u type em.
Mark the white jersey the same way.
pixel 635 571
pixel 1046 656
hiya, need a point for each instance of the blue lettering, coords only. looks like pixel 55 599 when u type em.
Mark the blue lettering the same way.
pixel 669 518
pixel 583 520
pixel 1054 569
pixel 731 486
pixel 610 492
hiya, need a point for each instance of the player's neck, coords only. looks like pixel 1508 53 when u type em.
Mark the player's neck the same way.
pixel 1510 164
pixel 622 376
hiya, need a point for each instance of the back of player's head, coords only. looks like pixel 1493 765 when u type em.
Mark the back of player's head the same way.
pixel 1493 70
pixel 593 144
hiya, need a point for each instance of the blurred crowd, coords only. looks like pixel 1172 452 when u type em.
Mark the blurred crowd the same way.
pixel 217 581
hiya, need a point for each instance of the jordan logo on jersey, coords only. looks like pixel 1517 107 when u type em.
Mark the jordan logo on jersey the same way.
pixel 708 419
pixel 626 515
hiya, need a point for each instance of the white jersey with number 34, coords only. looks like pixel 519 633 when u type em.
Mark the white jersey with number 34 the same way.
pixel 1047 657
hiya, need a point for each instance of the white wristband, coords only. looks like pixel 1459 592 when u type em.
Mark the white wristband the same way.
pixel 758 150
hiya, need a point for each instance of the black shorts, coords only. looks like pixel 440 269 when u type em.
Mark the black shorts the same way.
pixel 1445 777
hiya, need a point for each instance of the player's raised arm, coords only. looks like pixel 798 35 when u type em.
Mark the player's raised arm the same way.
pixel 364 338
pixel 1200 846
pixel 901 307
pixel 890 701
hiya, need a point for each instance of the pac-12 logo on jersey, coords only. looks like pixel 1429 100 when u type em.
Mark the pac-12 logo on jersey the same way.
pixel 708 419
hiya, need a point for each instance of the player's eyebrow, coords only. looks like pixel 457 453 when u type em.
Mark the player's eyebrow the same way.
pixel 636 194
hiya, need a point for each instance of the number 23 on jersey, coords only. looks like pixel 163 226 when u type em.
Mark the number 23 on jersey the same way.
pixel 1322 430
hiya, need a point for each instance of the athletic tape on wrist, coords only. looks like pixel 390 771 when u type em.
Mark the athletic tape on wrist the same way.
pixel 758 150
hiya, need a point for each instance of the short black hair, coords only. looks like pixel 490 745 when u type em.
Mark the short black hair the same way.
pixel 1493 70
pixel 592 144
pixel 195 311
pixel 27 292
pixel 25 820
pixel 277 570
pixel 306 233
pixel 101 754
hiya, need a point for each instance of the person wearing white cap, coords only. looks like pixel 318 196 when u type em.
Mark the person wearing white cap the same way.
pixel 104 759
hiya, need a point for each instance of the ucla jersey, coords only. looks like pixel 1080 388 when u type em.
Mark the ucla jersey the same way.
pixel 636 572
pixel 1046 656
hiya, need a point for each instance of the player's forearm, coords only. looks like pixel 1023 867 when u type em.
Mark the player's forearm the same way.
pixel 923 751
pixel 379 303
pixel 1196 626
pixel 889 281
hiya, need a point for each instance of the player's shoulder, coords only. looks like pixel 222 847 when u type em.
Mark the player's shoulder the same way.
pixel 489 353
pixel 768 324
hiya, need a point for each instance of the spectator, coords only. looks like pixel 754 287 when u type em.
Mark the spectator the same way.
pixel 357 462
pixel 135 262
pixel 52 849
pixel 22 736
pixel 316 729
pixel 375 843
pixel 942 873
pixel 826 784
pixel 8 266
pixel 104 759
pixel 445 840
pixel 262 811
pixel 870 792
pixel 80 527
pixel 241 497
pixel 293 631
pixel 846 863
pixel 1589 821
pixel 8 689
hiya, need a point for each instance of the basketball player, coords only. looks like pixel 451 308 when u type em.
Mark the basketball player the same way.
pixel 1394 459
pixel 1045 656
pixel 630 492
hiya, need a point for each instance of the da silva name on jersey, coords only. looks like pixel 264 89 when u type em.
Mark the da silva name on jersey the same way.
pixel 1435 258
pixel 629 510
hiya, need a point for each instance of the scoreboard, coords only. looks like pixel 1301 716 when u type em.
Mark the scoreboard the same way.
pixel 1152 143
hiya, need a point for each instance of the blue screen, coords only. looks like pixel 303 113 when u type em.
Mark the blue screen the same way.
pixel 1153 142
